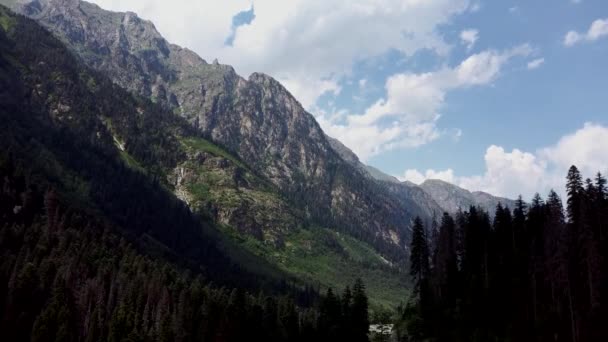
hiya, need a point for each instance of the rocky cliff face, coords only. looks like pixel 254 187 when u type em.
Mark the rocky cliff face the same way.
pixel 255 118
pixel 430 199
pixel 407 194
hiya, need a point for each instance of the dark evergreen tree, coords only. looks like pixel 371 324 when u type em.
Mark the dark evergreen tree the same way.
pixel 347 314
pixel 359 313
pixel 419 256
pixel 330 316
pixel 575 191
pixel 446 263
pixel 289 328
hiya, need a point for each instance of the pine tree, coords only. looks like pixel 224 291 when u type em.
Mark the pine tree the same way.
pixel 419 256
pixel 330 316
pixel 359 312
pixel 347 314
pixel 51 204
pixel 446 263
pixel 503 270
pixel 288 319
pixel 574 189
pixel 555 262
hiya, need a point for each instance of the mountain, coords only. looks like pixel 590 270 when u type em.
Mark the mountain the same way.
pixel 255 119
pixel 63 126
pixel 137 178
pixel 452 198
pixel 242 154
pixel 379 175
pixel 350 157
pixel 431 198
pixel 255 224
pixel 94 246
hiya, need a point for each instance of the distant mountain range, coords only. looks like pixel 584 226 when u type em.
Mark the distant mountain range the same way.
pixel 440 196
pixel 452 198
pixel 241 153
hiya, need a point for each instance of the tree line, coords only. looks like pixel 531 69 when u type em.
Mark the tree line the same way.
pixel 534 273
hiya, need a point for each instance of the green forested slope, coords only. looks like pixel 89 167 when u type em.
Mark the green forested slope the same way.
pixel 123 158
pixel 93 245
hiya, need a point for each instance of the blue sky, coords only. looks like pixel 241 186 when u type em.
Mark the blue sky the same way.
pixel 525 109
pixel 500 96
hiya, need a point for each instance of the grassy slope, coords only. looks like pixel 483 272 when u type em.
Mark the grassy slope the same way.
pixel 203 145
pixel 313 255
pixel 329 259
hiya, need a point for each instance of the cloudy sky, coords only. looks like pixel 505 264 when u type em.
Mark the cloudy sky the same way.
pixel 500 96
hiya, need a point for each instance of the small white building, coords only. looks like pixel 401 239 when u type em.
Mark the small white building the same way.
pixel 382 329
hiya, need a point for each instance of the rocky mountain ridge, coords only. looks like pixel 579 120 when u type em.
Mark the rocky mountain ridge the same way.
pixel 239 152
pixel 147 171
pixel 433 197
pixel 256 118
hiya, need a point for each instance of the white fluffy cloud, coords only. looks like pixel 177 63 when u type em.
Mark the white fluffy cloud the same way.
pixel 469 37
pixel 535 64
pixel 417 177
pixel 513 173
pixel 509 173
pixel 597 30
pixel 407 116
pixel 309 45
pixel 585 148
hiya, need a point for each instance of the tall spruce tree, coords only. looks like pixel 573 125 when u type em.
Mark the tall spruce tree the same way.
pixel 347 314
pixel 574 189
pixel 419 256
pixel 330 317
pixel 359 313
pixel 446 262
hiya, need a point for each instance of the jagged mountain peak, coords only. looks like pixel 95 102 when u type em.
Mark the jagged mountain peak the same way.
pixel 260 77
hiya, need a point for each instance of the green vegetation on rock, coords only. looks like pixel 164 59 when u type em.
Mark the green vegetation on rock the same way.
pixel 257 220
pixel 329 259
pixel 6 21
pixel 203 145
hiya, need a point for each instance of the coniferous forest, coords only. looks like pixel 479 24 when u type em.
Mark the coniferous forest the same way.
pixel 66 275
pixel 536 272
